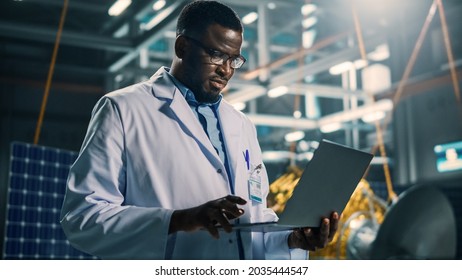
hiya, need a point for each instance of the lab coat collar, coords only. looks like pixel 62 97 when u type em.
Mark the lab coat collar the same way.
pixel 164 88
pixel 189 95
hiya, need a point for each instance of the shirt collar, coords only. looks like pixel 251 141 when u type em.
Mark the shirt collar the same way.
pixel 189 95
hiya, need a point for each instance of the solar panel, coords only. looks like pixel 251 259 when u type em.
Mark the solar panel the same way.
pixel 36 190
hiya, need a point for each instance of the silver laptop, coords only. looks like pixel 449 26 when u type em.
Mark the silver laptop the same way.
pixel 325 186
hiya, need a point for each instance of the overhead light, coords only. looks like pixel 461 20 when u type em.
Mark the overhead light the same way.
pixel 360 63
pixel 118 7
pixel 158 5
pixel 309 22
pixel 271 6
pixel 341 68
pixel 331 127
pixel 359 112
pixel 308 38
pixel 372 117
pixel 273 156
pixel 170 34
pixel 376 77
pixel 278 91
pixel 309 79
pixel 239 106
pixel 380 53
pixel 297 114
pixel 122 31
pixel 308 9
pixel 303 146
pixel 294 136
pixel 157 18
pixel 249 18
pixel 119 78
pixel 312 106
pixel 144 58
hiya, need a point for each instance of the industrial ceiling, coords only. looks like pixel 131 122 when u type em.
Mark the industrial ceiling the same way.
pixel 292 47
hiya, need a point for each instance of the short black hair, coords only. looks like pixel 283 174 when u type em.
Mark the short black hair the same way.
pixel 197 16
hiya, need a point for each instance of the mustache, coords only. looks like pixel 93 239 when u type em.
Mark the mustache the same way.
pixel 218 77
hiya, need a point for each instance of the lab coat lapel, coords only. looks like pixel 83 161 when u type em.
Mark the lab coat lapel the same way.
pixel 187 118
pixel 231 125
pixel 164 88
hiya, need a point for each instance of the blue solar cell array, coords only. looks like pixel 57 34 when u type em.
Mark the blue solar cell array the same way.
pixel 37 186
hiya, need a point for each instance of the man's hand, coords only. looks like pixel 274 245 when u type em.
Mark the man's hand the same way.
pixel 315 238
pixel 208 216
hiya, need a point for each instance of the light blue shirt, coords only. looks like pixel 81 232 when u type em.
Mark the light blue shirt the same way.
pixel 207 114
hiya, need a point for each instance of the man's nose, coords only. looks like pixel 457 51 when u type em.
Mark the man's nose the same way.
pixel 225 69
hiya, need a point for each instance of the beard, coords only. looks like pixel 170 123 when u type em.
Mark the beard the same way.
pixel 203 96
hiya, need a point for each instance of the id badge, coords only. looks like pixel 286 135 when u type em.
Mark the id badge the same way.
pixel 255 192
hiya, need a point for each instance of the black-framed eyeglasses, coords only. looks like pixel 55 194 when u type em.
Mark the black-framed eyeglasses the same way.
pixel 219 58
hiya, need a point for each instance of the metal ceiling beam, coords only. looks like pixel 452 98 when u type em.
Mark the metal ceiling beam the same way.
pixel 325 91
pixel 166 19
pixel 307 124
pixel 42 67
pixel 48 35
pixel 292 76
pixel 322 65
pixel 275 121
pixel 297 55
pixel 251 92
pixel 73 5
pixel 254 3
pixel 246 94
pixel 132 12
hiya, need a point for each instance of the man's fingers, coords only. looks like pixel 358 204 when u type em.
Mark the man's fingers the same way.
pixel 236 199
pixel 223 221
pixel 324 233
pixel 231 210
pixel 218 211
pixel 333 225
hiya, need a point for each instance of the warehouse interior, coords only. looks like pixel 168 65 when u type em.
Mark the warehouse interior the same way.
pixel 378 76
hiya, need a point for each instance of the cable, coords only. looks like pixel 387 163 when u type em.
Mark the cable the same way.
pixel 50 73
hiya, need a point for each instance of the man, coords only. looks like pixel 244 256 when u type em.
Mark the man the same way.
pixel 167 160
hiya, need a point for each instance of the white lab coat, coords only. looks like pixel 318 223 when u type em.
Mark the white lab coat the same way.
pixel 144 155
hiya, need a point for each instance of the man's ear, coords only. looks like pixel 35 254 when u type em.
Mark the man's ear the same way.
pixel 180 46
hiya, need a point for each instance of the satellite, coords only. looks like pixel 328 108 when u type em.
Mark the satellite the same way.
pixel 420 225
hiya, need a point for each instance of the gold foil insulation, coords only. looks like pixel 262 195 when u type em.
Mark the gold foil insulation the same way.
pixel 363 204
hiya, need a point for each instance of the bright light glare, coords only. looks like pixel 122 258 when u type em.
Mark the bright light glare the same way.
pixel 119 78
pixel 308 38
pixel 360 63
pixel 294 136
pixel 250 17
pixel 372 117
pixel 158 5
pixel 278 91
pixel 380 53
pixel 118 7
pixel 308 9
pixel 297 114
pixel 271 6
pixel 328 128
pixel 156 19
pixel 341 68
pixel 303 145
pixel 309 22
pixel 376 77
pixel 144 58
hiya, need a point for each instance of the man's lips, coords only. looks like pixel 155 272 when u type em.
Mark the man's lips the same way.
pixel 218 83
